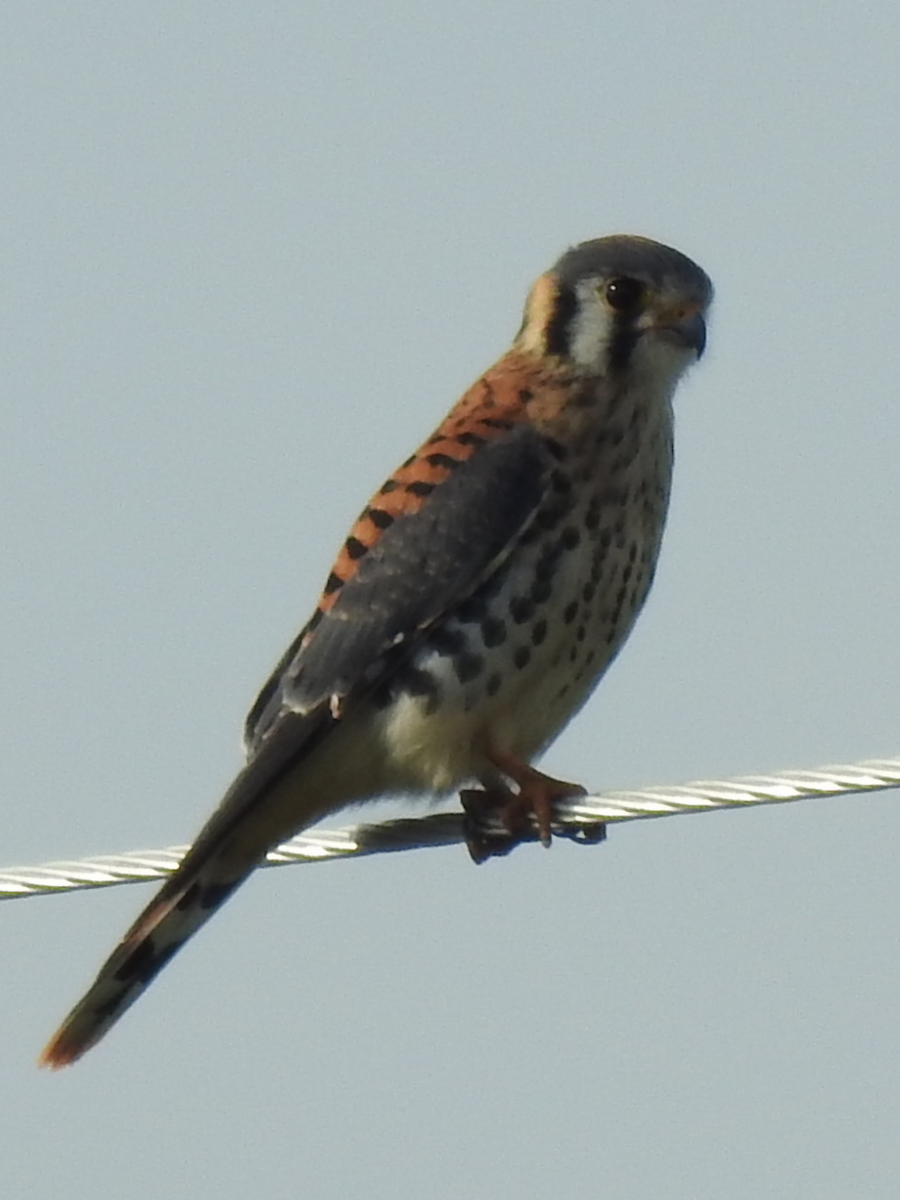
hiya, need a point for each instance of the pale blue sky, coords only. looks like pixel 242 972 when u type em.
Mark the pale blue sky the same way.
pixel 251 253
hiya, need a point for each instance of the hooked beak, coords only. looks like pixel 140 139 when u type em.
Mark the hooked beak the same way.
pixel 688 331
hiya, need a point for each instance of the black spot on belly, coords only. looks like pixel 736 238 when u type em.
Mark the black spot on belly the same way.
pixel 468 666
pixel 539 632
pixel 541 590
pixel 570 612
pixel 447 641
pixel 546 565
pixel 548 518
pixel 472 609
pixel 492 687
pixel 521 609
pixel 522 656
pixel 493 631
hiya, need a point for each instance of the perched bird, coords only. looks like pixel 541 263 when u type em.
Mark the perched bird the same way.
pixel 475 604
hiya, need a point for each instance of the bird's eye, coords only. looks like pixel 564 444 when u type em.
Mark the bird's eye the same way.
pixel 624 294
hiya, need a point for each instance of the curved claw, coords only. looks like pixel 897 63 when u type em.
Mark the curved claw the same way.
pixel 525 815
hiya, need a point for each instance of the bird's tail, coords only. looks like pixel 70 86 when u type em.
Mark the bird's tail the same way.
pixel 266 803
pixel 185 902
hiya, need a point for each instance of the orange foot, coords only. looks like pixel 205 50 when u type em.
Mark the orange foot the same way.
pixel 518 812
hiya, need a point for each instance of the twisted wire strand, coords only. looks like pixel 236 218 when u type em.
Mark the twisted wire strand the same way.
pixel 580 818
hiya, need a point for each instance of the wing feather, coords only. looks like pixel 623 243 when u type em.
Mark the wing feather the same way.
pixel 423 564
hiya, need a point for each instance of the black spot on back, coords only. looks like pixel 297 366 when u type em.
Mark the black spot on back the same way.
pixel 379 518
pixel 419 487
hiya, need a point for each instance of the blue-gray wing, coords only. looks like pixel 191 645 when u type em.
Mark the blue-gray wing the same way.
pixel 427 561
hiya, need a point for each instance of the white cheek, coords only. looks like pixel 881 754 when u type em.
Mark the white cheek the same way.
pixel 589 341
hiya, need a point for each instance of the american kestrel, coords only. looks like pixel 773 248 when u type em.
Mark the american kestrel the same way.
pixel 475 604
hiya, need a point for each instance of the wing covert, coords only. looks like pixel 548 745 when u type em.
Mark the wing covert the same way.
pixel 425 562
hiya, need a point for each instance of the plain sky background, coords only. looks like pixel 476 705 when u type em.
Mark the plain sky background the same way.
pixel 251 253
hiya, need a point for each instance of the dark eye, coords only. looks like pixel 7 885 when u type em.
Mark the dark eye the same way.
pixel 624 294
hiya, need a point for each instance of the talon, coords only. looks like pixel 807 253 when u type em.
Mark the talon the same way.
pixel 537 792
pixel 588 835
pixel 480 807
pixel 518 812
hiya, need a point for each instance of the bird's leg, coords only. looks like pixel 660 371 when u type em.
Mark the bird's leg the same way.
pixel 537 793
pixel 517 811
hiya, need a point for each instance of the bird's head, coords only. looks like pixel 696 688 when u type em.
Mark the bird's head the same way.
pixel 619 305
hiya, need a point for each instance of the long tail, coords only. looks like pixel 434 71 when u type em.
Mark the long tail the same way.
pixel 263 804
pixel 159 932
